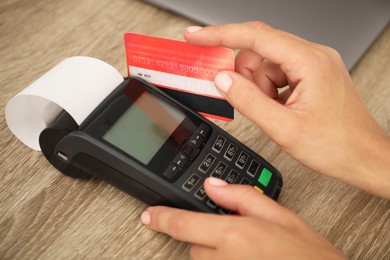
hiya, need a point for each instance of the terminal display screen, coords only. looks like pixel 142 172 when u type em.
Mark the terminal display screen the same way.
pixel 144 127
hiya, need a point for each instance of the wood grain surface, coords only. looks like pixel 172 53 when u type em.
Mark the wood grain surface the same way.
pixel 45 215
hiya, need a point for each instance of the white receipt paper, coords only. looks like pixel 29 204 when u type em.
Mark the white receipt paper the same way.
pixel 77 85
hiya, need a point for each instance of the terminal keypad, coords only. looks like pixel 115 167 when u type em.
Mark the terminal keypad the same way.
pixel 228 162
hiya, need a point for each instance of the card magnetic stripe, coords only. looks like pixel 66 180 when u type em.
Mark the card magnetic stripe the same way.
pixel 204 104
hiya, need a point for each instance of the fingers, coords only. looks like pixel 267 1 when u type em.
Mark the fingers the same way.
pixel 269 78
pixel 247 62
pixel 247 201
pixel 253 103
pixel 277 46
pixel 192 227
pixel 195 227
pixel 267 75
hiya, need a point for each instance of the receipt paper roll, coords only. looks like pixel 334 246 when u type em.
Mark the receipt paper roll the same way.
pixel 77 85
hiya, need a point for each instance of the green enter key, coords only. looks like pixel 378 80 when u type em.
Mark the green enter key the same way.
pixel 265 177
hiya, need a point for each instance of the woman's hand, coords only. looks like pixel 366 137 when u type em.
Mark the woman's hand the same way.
pixel 319 119
pixel 263 230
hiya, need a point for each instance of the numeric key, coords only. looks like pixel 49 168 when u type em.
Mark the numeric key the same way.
pixel 206 163
pixel 232 177
pixel 219 143
pixel 241 160
pixel 219 170
pixel 230 152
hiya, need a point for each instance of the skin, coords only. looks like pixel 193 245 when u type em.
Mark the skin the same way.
pixel 263 229
pixel 318 118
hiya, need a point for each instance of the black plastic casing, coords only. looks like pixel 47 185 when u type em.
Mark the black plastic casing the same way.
pixel 77 154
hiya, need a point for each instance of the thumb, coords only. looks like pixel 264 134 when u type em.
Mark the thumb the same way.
pixel 252 102
pixel 247 201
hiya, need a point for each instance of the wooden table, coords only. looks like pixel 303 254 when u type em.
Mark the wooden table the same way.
pixel 46 215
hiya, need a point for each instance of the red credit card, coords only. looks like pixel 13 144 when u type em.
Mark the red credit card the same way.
pixel 184 71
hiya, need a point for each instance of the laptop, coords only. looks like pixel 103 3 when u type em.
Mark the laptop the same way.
pixel 349 26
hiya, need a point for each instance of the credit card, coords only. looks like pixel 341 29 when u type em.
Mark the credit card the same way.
pixel 184 71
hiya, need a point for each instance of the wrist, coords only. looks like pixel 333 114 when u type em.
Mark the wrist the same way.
pixel 370 169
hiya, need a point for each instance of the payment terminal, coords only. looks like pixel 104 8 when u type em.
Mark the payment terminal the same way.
pixel 154 148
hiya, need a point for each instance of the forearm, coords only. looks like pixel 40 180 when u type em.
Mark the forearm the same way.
pixel 371 169
pixel 360 149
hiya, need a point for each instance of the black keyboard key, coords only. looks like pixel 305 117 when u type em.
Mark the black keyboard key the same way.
pixel 230 152
pixel 172 171
pixel 196 140
pixel 241 160
pixel 219 170
pixel 191 182
pixel 180 160
pixel 253 167
pixel 245 181
pixel 203 130
pixel 225 211
pixel 219 143
pixel 207 163
pixel 200 193
pixel 211 204
pixel 188 149
pixel 232 177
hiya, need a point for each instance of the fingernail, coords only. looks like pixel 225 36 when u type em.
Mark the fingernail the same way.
pixel 193 29
pixel 223 81
pixel 145 217
pixel 216 182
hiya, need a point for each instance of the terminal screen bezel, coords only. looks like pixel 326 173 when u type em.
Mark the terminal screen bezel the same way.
pixel 119 104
